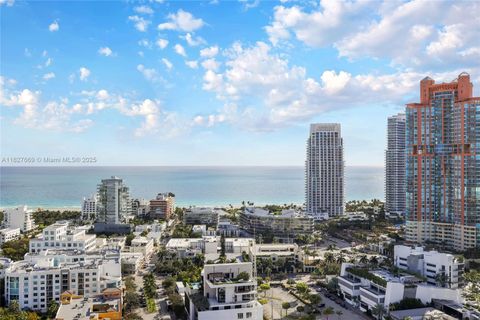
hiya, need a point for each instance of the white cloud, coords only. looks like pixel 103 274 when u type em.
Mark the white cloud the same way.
pixel 247 4
pixel 180 50
pixel 84 73
pixel 162 43
pixel 263 91
pixel 102 94
pixel 333 82
pixel 323 25
pixel 145 43
pixel 192 64
pixel 167 63
pixel 411 34
pixel 19 98
pixel 143 10
pixel 181 21
pixel 48 62
pixel 105 51
pixel 8 3
pixel 48 76
pixel 141 24
pixel 54 26
pixel 210 64
pixel 149 74
pixel 193 41
pixel 449 38
pixel 209 52
pixel 27 53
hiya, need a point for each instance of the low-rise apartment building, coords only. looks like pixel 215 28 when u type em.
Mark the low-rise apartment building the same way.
pixel 106 305
pixel 9 234
pixel 284 225
pixel 441 269
pixel 33 285
pixel 365 288
pixel 209 246
pixel 197 215
pixel 229 292
pixel 60 236
pixel 20 217
pixel 143 245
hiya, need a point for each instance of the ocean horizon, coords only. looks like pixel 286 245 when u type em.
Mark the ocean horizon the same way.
pixel 65 186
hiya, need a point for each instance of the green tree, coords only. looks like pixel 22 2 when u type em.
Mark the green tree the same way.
pixel 286 306
pixel 302 287
pixel 315 299
pixel 128 239
pixel 52 309
pixel 328 312
pixel 265 287
pixel 131 301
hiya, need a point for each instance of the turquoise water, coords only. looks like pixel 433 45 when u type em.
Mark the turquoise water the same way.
pixel 56 187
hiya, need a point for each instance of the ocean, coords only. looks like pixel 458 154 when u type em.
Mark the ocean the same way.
pixel 65 187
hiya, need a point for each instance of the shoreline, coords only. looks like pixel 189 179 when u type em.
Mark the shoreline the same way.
pixel 180 205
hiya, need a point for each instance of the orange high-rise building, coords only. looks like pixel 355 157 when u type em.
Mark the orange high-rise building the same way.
pixel 443 165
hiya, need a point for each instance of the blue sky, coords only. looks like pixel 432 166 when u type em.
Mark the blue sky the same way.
pixel 219 83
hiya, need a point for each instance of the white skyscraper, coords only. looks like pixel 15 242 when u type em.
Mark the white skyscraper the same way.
pixel 395 165
pixel 113 203
pixel 324 170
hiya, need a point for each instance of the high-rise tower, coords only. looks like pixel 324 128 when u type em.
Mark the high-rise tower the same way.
pixel 324 170
pixel 113 203
pixel 443 164
pixel 395 165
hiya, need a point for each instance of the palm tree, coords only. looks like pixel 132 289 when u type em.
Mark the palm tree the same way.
pixel 442 279
pixel 374 261
pixel 331 247
pixel 341 259
pixel 329 258
pixel 328 312
pixel 378 311
pixel 363 259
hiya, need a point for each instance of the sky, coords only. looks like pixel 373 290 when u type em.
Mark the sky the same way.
pixel 219 83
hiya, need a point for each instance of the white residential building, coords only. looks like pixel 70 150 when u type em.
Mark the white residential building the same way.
pixel 283 226
pixel 441 269
pixel 143 245
pixel 33 285
pixel 89 208
pixel 9 234
pixel 225 295
pixel 365 288
pixel 324 170
pixel 209 246
pixel 201 215
pixel 62 237
pixel 20 217
pixel 395 166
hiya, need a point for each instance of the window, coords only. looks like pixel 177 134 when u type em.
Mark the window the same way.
pixel 249 315
pixel 239 315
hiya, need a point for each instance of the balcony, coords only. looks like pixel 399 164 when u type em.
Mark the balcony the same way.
pixel 372 294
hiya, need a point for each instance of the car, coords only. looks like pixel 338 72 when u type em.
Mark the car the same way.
pixel 321 305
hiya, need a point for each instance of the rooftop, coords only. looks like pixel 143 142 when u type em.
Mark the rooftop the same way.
pixel 83 308
pixel 285 213
pixel 421 313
